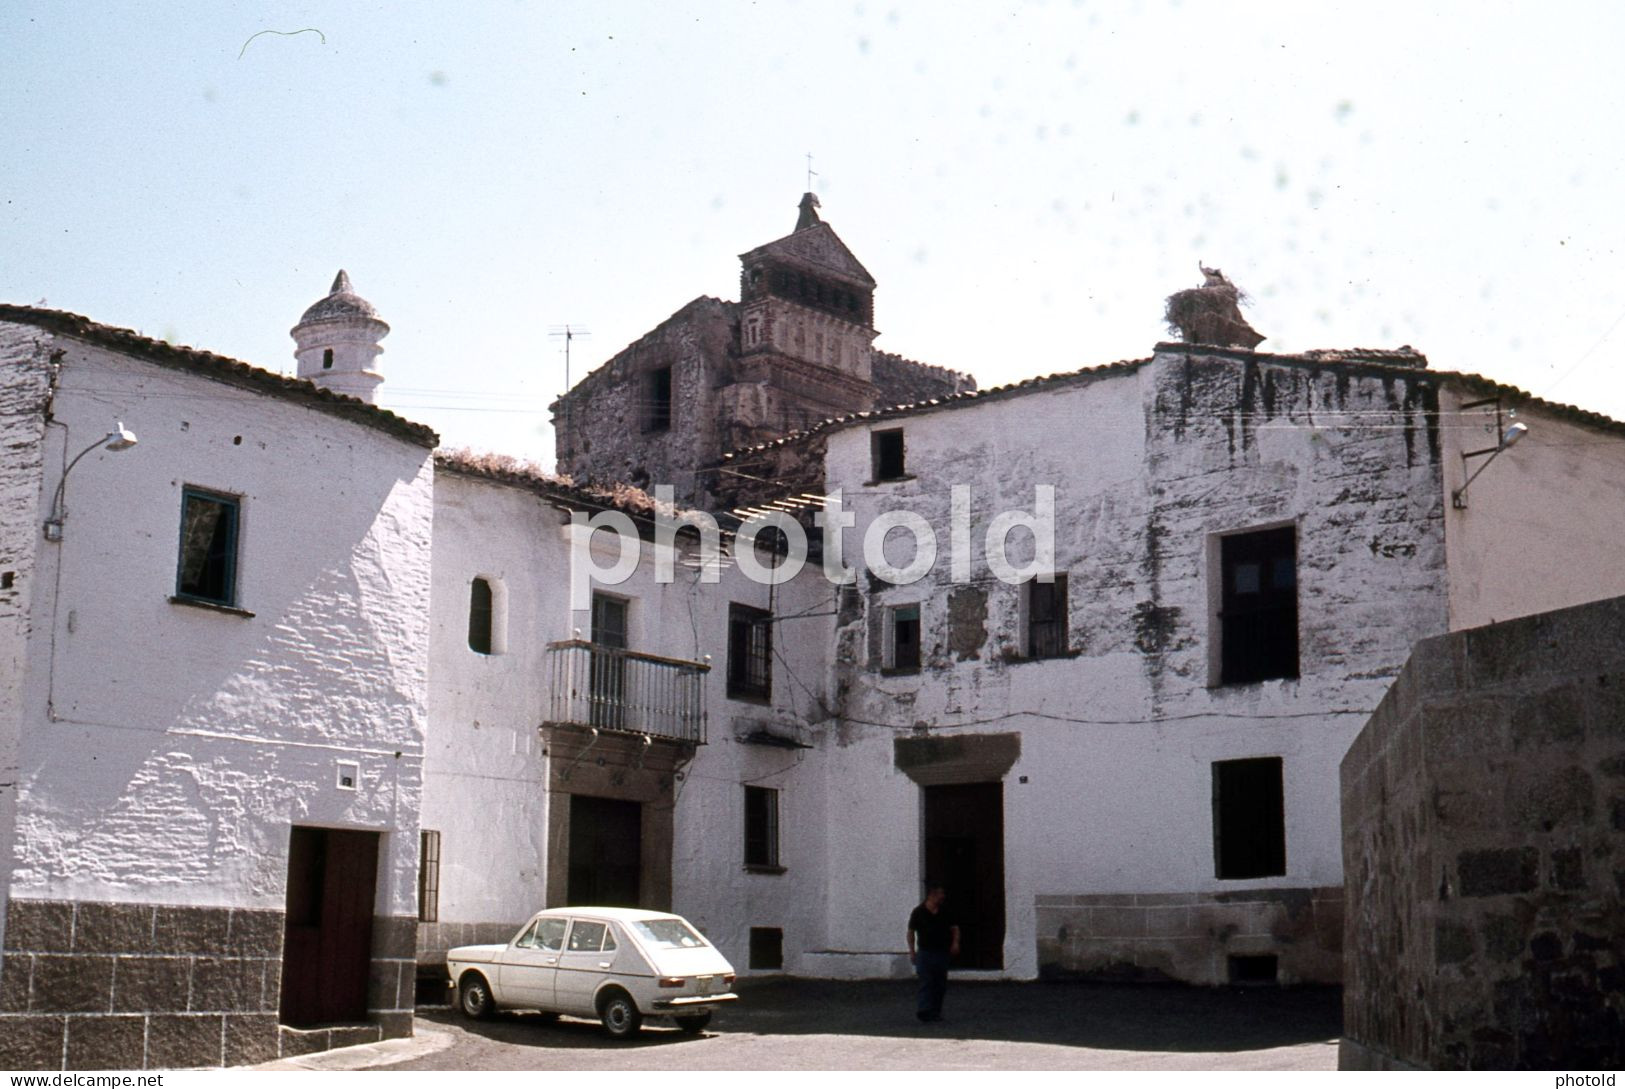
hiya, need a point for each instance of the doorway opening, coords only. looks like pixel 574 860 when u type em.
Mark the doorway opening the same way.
pixel 964 853
pixel 606 852
pixel 327 946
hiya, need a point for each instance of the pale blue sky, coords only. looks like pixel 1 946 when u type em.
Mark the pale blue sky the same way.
pixel 1026 181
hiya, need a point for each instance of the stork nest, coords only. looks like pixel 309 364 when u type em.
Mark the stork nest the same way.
pixel 1211 315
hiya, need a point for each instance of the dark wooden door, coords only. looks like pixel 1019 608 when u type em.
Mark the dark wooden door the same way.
pixel 606 851
pixel 327 950
pixel 964 853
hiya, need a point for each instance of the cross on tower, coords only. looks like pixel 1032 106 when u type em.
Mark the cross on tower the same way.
pixel 811 173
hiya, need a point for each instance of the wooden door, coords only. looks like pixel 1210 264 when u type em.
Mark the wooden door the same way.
pixel 606 852
pixel 327 950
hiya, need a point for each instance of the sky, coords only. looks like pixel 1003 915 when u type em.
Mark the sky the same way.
pixel 1026 181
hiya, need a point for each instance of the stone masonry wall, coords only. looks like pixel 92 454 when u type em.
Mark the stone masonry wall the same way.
pixel 1484 849
pixel 100 986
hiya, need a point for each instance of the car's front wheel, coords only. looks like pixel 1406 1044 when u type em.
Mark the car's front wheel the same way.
pixel 694 1022
pixel 475 998
pixel 620 1015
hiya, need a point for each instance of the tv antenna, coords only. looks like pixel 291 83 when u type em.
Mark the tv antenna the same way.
pixel 811 173
pixel 569 333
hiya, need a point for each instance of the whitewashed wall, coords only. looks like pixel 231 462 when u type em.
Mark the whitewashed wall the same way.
pixel 1117 743
pixel 167 749
pixel 1544 526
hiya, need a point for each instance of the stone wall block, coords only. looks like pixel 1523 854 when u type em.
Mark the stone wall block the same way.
pixel 184 1040
pixel 1543 798
pixel 152 984
pixel 227 984
pixel 294 1042
pixel 39 926
pixel 106 1043
pixel 1497 871
pixel 195 930
pixel 32 1042
pixel 16 982
pixel 250 1039
pixel 351 1035
pixel 383 984
pixel 255 933
pixel 394 936
pixel 72 984
pixel 1547 718
pixel 112 928
pixel 394 1025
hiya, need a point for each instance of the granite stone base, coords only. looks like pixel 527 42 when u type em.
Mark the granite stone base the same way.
pixel 1191 937
pixel 118 986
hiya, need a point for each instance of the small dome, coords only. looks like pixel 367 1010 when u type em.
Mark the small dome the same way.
pixel 341 302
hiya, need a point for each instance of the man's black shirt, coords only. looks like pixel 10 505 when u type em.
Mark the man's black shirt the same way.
pixel 934 930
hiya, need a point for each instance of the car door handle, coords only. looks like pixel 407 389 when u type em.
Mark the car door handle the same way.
pixel 553 960
pixel 603 964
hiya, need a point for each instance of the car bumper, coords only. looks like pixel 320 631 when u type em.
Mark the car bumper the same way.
pixel 688 1002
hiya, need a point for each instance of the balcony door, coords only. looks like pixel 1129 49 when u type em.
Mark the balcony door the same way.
pixel 608 669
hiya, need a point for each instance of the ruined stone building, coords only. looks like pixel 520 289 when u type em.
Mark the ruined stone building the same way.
pixel 797 348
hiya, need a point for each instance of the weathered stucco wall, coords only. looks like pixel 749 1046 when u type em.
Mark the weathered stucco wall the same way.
pixel 1112 794
pixel 167 749
pixel 1543 524
pixel 1484 844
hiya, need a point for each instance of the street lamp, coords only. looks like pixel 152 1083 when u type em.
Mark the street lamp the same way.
pixel 1458 498
pixel 120 438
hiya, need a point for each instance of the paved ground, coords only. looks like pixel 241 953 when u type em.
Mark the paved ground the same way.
pixel 813 1025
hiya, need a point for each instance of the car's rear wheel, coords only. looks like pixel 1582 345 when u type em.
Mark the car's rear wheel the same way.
pixel 620 1015
pixel 475 998
pixel 694 1022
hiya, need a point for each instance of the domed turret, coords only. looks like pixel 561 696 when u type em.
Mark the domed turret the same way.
pixel 336 342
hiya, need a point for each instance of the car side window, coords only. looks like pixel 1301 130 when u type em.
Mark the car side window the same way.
pixel 586 937
pixel 527 940
pixel 550 934
pixel 609 940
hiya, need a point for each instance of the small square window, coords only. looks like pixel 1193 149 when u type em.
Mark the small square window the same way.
pixel 1046 618
pixel 207 570
pixel 761 827
pixel 886 447
pixel 903 639
pixel 766 948
pixel 750 653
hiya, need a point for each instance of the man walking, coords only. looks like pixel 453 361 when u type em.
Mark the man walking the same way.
pixel 937 942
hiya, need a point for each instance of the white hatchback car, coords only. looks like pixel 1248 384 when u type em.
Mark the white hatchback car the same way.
pixel 619 965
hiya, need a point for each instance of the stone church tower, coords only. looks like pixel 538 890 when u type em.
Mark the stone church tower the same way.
pixel 718 376
pixel 336 342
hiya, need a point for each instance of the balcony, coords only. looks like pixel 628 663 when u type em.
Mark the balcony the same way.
pixel 611 689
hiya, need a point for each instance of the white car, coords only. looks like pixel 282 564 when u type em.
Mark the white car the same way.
pixel 619 965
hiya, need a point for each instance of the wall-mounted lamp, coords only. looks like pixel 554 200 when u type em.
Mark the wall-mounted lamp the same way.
pixel 1518 430
pixel 120 438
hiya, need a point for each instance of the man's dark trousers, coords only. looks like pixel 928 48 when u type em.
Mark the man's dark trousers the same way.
pixel 931 965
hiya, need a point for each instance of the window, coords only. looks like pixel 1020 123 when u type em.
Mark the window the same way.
pixel 608 671
pixel 903 639
pixel 208 559
pixel 587 937
pixel 327 359
pixel 766 948
pixel 428 876
pixel 1258 606
pixel 479 616
pixel 1249 820
pixel 1046 618
pixel 887 450
pixel 761 828
pixel 544 934
pixel 750 653
pixel 658 416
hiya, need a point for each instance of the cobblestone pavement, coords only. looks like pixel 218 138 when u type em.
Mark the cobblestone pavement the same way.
pixel 817 1025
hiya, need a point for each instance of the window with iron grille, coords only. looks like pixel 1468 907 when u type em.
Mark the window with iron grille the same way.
pixel 903 639
pixel 1258 608
pixel 750 652
pixel 1046 618
pixel 428 876
pixel 761 828
pixel 207 569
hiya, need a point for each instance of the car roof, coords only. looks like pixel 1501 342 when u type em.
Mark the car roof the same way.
pixel 619 914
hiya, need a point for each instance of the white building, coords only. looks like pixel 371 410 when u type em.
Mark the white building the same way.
pixel 213 704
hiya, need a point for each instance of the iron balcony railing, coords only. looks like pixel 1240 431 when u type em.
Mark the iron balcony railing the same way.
pixel 613 689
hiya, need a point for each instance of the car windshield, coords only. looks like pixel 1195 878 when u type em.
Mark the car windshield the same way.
pixel 668 934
